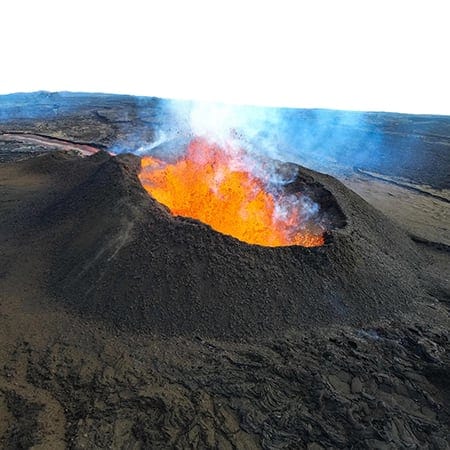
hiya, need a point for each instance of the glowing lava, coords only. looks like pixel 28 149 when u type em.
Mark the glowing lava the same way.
pixel 212 184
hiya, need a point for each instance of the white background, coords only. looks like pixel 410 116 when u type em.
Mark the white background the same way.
pixel 367 55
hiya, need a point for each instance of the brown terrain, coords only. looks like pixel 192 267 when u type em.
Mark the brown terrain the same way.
pixel 125 327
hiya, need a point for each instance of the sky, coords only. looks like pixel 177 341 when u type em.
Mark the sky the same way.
pixel 373 55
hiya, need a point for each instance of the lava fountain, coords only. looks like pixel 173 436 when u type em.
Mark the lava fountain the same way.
pixel 222 186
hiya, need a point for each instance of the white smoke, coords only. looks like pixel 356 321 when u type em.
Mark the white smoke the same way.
pixel 249 135
pixel 146 148
pixel 230 126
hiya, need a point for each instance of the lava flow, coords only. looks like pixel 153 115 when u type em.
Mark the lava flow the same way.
pixel 212 184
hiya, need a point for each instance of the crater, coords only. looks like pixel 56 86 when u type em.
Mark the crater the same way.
pixel 258 201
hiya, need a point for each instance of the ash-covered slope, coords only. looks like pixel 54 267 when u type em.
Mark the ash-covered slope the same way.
pixel 112 252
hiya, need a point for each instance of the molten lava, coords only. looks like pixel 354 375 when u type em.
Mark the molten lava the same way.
pixel 211 184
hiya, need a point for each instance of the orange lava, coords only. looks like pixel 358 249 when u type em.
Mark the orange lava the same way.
pixel 208 185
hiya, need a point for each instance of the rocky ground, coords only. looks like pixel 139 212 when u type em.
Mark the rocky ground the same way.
pixel 71 381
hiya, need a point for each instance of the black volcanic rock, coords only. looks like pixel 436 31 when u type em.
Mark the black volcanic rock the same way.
pixel 115 253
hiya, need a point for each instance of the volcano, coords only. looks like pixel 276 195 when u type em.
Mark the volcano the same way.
pixel 114 252
pixel 208 295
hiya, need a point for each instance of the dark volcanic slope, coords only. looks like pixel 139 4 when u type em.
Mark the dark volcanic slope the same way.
pixel 109 250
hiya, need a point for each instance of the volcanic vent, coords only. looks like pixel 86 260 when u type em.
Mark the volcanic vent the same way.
pixel 253 200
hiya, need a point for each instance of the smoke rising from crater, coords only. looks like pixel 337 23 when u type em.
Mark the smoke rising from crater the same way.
pixel 323 140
